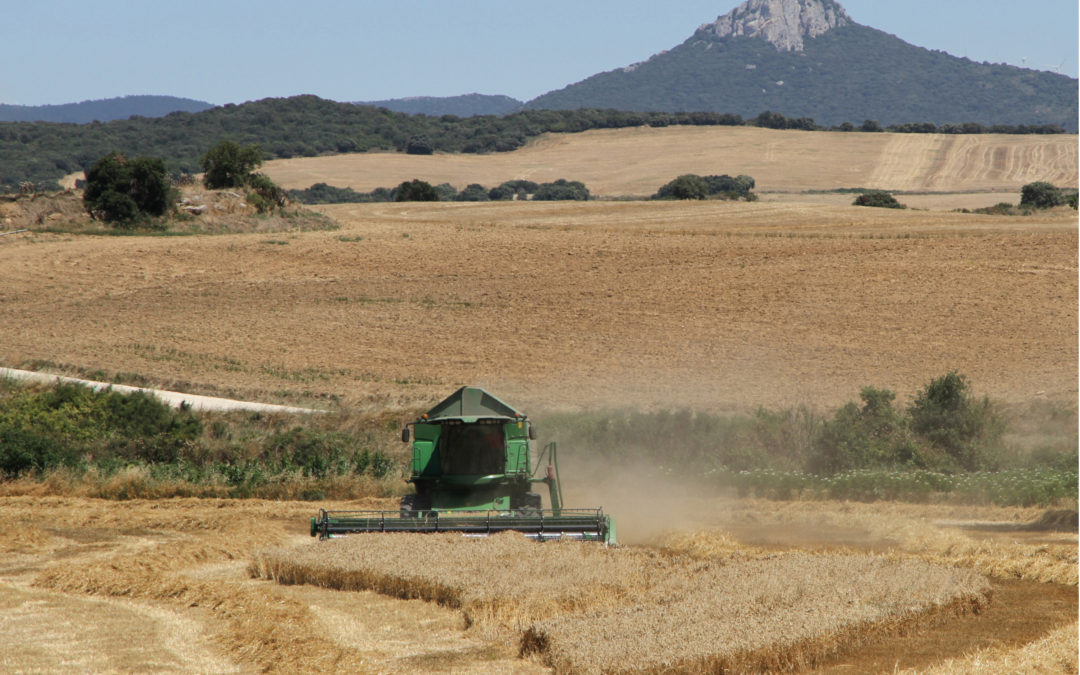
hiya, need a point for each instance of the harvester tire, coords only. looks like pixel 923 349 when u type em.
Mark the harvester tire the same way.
pixel 527 504
pixel 412 505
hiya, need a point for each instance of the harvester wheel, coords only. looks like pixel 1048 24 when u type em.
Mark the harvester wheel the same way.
pixel 412 505
pixel 527 504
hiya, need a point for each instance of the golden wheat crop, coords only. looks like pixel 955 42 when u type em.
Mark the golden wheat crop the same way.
pixel 639 160
pixel 584 608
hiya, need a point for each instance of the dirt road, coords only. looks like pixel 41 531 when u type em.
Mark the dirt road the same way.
pixel 174 399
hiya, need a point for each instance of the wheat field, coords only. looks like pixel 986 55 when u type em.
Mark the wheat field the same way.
pixel 638 161
pixel 795 299
pixel 169 586
pixel 586 609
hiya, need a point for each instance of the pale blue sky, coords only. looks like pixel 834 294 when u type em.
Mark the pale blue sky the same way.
pixel 222 51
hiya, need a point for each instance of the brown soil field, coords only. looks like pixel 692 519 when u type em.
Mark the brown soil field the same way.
pixel 638 161
pixel 711 305
pixel 91 585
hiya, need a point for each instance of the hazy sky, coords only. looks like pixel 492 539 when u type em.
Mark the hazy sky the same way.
pixel 222 51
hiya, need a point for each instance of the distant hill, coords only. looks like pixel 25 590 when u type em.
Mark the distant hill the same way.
pixel 103 110
pixel 466 105
pixel 807 58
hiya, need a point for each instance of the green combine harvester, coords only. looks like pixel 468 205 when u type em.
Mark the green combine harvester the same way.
pixel 474 473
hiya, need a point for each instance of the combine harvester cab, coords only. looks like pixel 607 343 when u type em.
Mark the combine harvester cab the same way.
pixel 474 471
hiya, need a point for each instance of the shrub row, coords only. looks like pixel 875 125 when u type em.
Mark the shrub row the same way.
pixel 75 428
pixel 944 429
pixel 418 190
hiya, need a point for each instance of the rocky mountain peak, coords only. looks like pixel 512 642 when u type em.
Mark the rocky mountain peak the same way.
pixel 783 23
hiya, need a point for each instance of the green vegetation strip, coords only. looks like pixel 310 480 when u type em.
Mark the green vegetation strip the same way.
pixel 118 445
pixel 947 444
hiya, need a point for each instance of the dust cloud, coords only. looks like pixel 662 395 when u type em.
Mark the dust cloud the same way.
pixel 646 501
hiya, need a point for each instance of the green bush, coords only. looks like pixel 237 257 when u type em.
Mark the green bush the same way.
pixel 878 198
pixel 950 420
pixel 264 194
pixel 686 186
pixel 1041 195
pixel 415 190
pixel 123 191
pixel 230 165
pixel 26 450
pixel 446 192
pixel 513 189
pixel 78 429
pixel 56 427
pixel 474 192
pixel 739 186
pixel 562 190
pixel 322 193
pixel 693 186
pixel 419 145
pixel 871 436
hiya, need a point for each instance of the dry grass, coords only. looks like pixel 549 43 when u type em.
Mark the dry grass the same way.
pixel 638 161
pixel 584 608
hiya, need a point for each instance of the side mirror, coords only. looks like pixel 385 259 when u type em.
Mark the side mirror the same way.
pixel 532 433
pixel 405 435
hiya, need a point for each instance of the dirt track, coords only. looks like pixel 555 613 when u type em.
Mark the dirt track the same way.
pixel 712 305
pixel 173 399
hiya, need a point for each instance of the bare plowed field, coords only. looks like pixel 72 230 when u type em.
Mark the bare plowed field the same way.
pixel 638 161
pixel 709 305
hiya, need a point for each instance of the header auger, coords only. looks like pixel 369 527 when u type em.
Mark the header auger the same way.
pixel 474 472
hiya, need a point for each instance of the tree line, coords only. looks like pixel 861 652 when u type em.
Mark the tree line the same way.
pixel 307 126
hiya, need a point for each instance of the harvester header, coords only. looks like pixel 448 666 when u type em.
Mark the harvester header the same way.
pixel 473 470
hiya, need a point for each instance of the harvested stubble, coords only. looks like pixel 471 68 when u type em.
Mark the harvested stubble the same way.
pixel 916 529
pixel 147 550
pixel 1054 653
pixel 584 608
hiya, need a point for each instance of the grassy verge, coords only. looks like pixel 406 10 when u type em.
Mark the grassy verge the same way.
pixel 66 439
